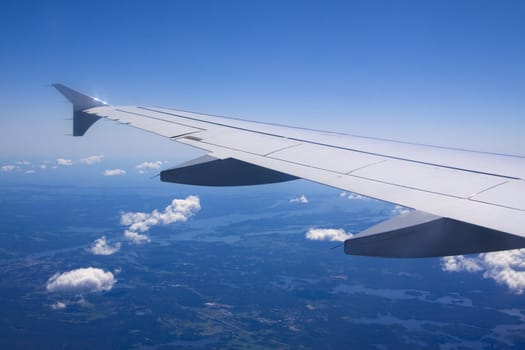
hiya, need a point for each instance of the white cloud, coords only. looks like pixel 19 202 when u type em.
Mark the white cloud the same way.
pixel 142 167
pixel 22 162
pixel 8 168
pixel 506 267
pixel 101 247
pixel 83 280
pixel 137 238
pixel 399 210
pixel 130 218
pixel 30 171
pixel 460 263
pixel 114 172
pixel 355 196
pixel 301 199
pixel 91 159
pixel 328 234
pixel 178 210
pixel 42 166
pixel 59 305
pixel 66 162
pixel 351 196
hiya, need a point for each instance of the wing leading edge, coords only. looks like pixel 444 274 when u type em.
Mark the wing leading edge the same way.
pixel 465 201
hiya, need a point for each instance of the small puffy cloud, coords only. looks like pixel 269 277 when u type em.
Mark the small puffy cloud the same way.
pixel 178 210
pixel 8 168
pixel 83 280
pixel 30 171
pixel 328 234
pixel 355 196
pixel 399 210
pixel 59 305
pixel 65 162
pixel 506 267
pixel 301 199
pixel 137 238
pixel 114 172
pixel 91 159
pixel 101 247
pixel 142 167
pixel 130 218
pixel 351 196
pixel 460 263
pixel 22 162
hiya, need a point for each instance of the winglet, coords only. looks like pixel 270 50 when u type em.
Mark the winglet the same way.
pixel 81 121
pixel 79 100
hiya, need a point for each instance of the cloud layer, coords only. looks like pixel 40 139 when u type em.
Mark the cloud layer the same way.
pixel 139 223
pixel 30 168
pixel 101 247
pixel 83 280
pixel 328 234
pixel 506 268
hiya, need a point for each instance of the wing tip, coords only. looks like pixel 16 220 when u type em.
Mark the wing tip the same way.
pixel 79 100
pixel 82 121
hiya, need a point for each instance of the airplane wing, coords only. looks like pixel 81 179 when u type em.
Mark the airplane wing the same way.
pixel 464 201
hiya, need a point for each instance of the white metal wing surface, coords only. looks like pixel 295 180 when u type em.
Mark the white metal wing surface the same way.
pixel 465 201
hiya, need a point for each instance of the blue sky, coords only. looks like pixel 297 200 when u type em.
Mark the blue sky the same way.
pixel 440 72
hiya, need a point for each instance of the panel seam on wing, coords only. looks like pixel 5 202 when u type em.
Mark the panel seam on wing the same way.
pixel 356 176
pixel 159 119
pixel 282 149
pixel 327 145
pixel 366 166
pixel 485 190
